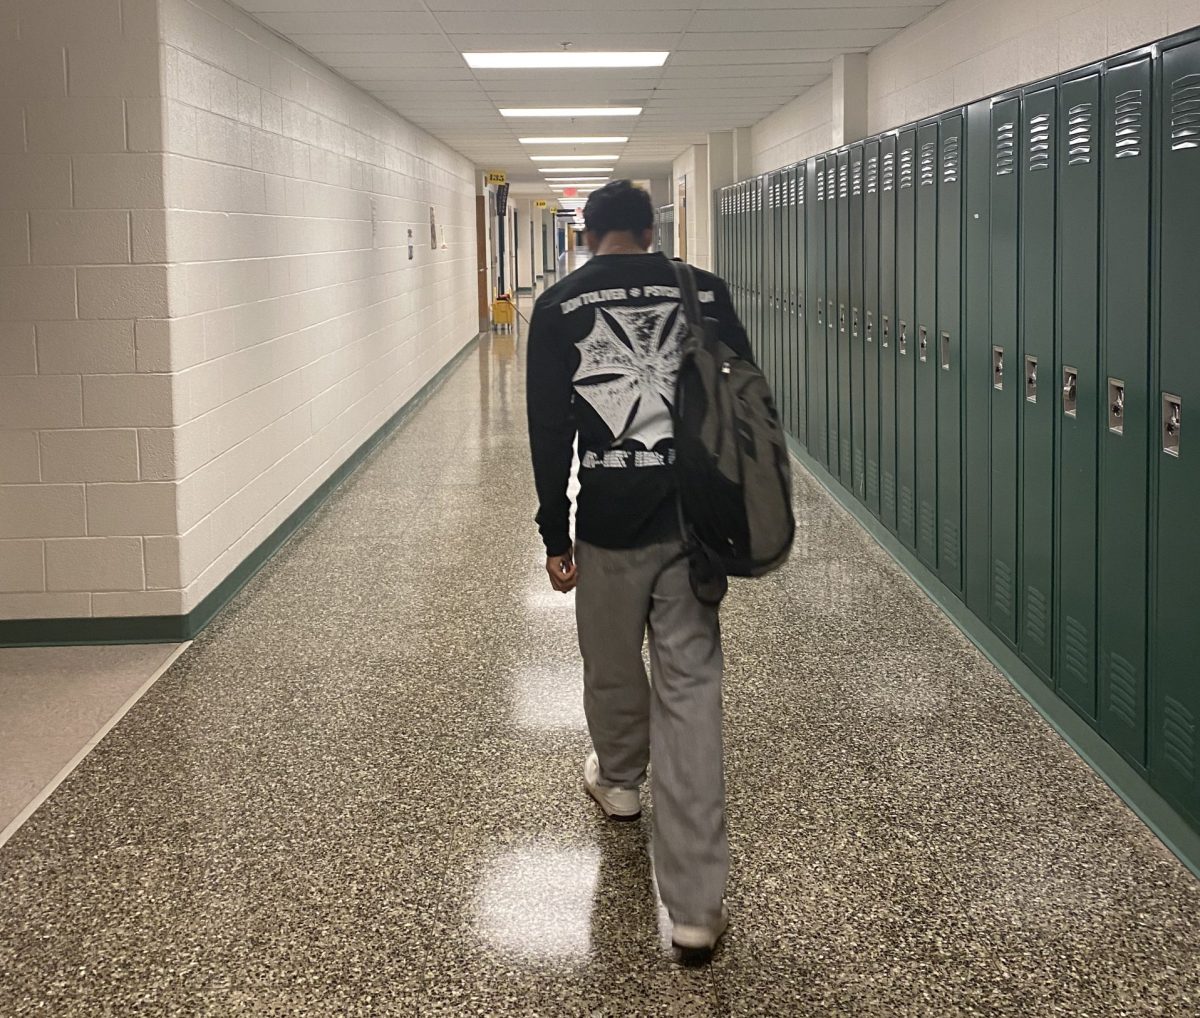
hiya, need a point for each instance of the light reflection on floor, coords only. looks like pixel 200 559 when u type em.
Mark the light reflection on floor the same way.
pixel 548 696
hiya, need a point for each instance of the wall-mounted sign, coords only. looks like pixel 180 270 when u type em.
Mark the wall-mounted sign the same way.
pixel 541 203
pixel 496 177
pixel 432 228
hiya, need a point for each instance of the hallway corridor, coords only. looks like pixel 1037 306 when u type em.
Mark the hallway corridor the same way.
pixel 358 793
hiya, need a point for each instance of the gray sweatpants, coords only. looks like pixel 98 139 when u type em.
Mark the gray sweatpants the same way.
pixel 676 720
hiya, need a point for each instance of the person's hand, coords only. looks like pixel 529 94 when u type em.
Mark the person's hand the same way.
pixel 563 573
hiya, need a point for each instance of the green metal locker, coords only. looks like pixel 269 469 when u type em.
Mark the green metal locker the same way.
pixel 774 267
pixel 1175 712
pixel 887 331
pixel 906 210
pixel 815 271
pixel 1005 372
pixel 767 265
pixel 833 396
pixel 845 427
pixel 854 327
pixel 1076 373
pixel 922 351
pixel 1128 407
pixel 1037 418
pixel 799 308
pixel 783 394
pixel 977 357
pixel 946 352
pixel 870 321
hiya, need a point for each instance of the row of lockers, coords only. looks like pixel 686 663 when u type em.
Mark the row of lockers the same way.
pixel 986 325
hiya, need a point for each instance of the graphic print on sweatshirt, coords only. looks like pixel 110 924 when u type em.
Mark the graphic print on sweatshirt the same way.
pixel 627 368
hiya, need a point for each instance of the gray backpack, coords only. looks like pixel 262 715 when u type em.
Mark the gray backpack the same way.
pixel 731 461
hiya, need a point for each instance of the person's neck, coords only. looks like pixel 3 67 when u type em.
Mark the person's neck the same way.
pixel 620 243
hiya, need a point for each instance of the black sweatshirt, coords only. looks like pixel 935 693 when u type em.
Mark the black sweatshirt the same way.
pixel 603 354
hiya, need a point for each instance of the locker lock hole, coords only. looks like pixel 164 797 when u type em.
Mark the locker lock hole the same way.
pixel 1116 406
pixel 870 327
pixel 997 367
pixel 902 339
pixel 841 317
pixel 945 351
pixel 1172 423
pixel 1070 391
pixel 887 330
pixel 854 322
pixel 1031 379
pixel 923 342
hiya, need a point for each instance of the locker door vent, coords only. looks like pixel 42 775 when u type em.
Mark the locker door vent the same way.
pixel 1185 112
pixel 872 480
pixel 1179 737
pixel 1076 650
pixel 820 186
pixel 1079 134
pixel 1039 142
pixel 831 183
pixel 906 507
pixel 889 488
pixel 889 170
pixel 928 525
pixel 799 190
pixel 1122 682
pixel 791 190
pixel 1005 155
pixel 906 168
pixel 872 174
pixel 856 179
pixel 1002 588
pixel 1035 615
pixel 950 550
pixel 1127 124
pixel 843 181
pixel 950 160
pixel 928 163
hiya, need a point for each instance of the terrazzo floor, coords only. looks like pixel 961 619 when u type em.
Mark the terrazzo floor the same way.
pixel 357 793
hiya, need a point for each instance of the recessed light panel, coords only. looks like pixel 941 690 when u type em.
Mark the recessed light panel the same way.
pixel 566 58
pixel 576 169
pixel 574 111
pixel 575 158
pixel 593 140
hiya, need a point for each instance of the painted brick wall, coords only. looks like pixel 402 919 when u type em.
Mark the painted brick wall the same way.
pixel 300 324
pixel 206 300
pixel 81 384
pixel 968 49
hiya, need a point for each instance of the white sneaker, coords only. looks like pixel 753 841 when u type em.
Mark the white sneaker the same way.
pixel 697 943
pixel 617 803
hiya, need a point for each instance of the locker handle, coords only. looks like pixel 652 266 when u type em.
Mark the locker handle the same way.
pixel 923 342
pixel 820 313
pixel 829 314
pixel 854 322
pixel 870 327
pixel 997 367
pixel 1172 423
pixel 902 340
pixel 1070 391
pixel 1031 379
pixel 1116 406
pixel 945 351
pixel 887 331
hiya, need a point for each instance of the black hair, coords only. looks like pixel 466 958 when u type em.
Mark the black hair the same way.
pixel 619 205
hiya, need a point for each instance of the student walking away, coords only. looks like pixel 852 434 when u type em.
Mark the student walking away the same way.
pixel 604 351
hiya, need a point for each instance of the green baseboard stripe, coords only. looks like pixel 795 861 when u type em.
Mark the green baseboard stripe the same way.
pixel 1154 811
pixel 177 628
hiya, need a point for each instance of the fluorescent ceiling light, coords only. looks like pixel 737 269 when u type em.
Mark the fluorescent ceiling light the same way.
pixel 576 169
pixel 575 158
pixel 574 111
pixel 586 140
pixel 567 58
pixel 577 180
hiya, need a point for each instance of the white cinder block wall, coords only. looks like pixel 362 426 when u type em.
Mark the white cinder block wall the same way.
pixel 968 49
pixel 206 299
pixel 85 399
pixel 301 325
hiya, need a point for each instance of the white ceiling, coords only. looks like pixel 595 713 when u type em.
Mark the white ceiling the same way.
pixel 731 64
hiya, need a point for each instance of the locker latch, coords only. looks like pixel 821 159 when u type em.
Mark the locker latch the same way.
pixel 1172 423
pixel 997 367
pixel 841 317
pixel 1116 406
pixel 820 313
pixel 902 340
pixel 829 314
pixel 945 352
pixel 923 342
pixel 1031 368
pixel 1070 391
pixel 870 326
pixel 887 331
pixel 854 322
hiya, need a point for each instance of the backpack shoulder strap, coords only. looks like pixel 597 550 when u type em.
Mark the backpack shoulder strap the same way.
pixel 688 295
